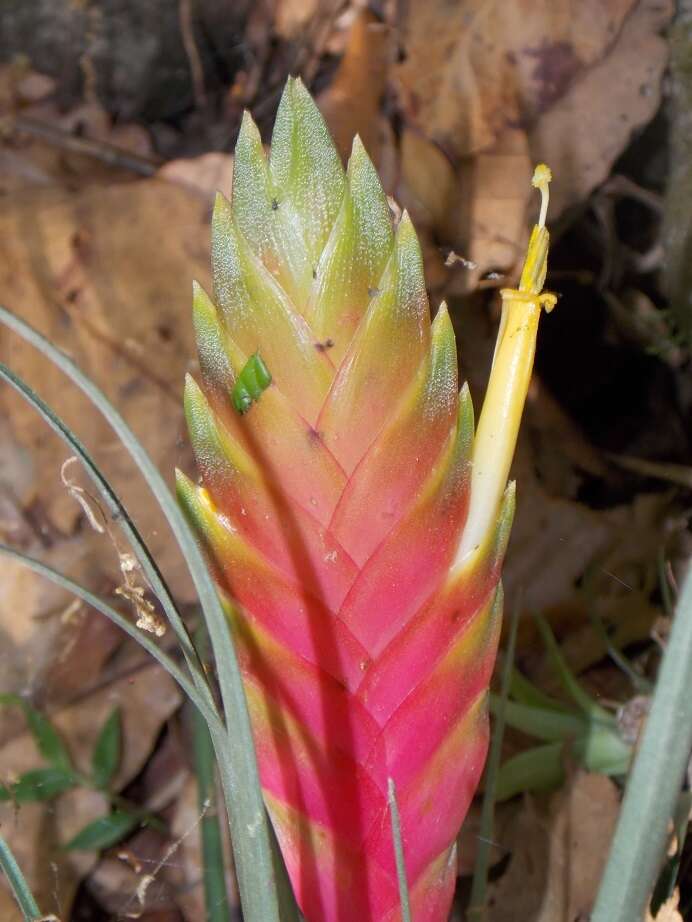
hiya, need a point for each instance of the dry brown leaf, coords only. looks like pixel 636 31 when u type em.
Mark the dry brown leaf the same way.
pixel 206 174
pixel 490 218
pixel 558 855
pixel 105 274
pixel 497 64
pixel 35 831
pixel 517 82
pixel 292 16
pixel 583 135
pixel 351 102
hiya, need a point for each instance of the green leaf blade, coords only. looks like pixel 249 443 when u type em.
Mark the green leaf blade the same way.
pixel 104 832
pixel 105 758
pixel 38 785
pixel 47 738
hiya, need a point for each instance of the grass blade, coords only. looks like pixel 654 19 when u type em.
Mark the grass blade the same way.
pixel 113 615
pixel 486 831
pixel 17 881
pixel 399 852
pixel 655 781
pixel 213 869
pixel 235 749
pixel 214 873
pixel 568 681
pixel 118 512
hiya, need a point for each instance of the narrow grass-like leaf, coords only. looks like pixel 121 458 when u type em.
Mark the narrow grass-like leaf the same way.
pixel 540 768
pixel 655 781
pixel 17 881
pixel 106 755
pixel 541 723
pixel 398 852
pixel 105 609
pixel 569 683
pixel 523 691
pixel 47 738
pixel 213 870
pixel 216 903
pixel 486 831
pixel 642 685
pixel 104 832
pixel 235 750
pixel 118 512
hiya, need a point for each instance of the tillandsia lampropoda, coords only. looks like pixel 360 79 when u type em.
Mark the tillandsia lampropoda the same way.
pixel 355 523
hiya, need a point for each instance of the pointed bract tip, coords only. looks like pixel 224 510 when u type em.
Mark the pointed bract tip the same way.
pixel 357 149
pixel 191 386
pixel 248 132
pixel 221 209
pixel 442 328
pixel 200 298
pixel 405 231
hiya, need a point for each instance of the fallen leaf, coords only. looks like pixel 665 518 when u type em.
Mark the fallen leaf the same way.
pixel 292 16
pixel 497 64
pixel 206 174
pixel 118 302
pixel 557 855
pixel 351 102
pixel 515 83
pixel 490 218
pixel 583 135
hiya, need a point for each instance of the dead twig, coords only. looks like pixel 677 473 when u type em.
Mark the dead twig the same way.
pixel 98 150
pixel 196 70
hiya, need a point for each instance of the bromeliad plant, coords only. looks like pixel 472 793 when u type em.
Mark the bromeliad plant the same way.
pixel 357 526
pixel 355 523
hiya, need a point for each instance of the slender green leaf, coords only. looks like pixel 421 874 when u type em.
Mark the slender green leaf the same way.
pixel 523 691
pixel 399 852
pixel 142 639
pixel 543 724
pixel 213 864
pixel 104 832
pixel 117 511
pixel 640 683
pixel 569 683
pixel 106 755
pixel 47 738
pixel 538 769
pixel 39 784
pixel 235 750
pixel 20 889
pixel 486 832
pixel 655 781
pixel 541 768
pixel 214 871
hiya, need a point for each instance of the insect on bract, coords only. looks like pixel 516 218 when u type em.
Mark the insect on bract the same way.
pixel 252 381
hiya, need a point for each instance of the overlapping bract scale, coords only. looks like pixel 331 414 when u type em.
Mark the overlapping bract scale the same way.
pixel 332 512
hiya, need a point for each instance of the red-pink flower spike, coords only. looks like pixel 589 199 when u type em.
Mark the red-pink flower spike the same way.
pixel 355 525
